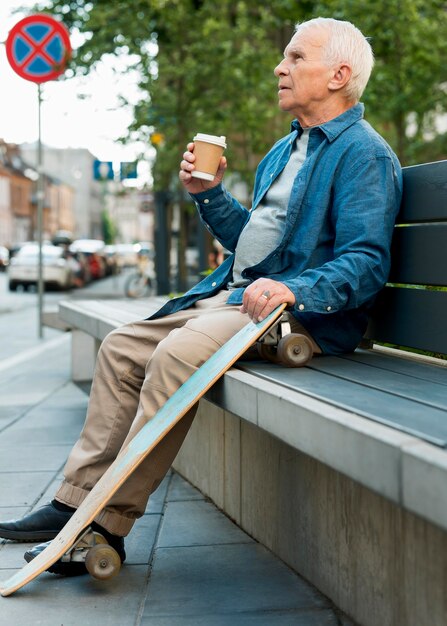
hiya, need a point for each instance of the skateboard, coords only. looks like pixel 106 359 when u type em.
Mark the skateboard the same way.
pixel 101 559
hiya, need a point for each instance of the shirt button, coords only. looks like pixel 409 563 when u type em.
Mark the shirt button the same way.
pixel 328 308
pixel 206 201
pixel 301 307
pixel 213 284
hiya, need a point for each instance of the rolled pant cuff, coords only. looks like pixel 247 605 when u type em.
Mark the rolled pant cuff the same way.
pixel 113 522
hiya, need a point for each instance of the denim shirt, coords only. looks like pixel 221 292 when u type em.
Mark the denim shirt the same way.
pixel 335 252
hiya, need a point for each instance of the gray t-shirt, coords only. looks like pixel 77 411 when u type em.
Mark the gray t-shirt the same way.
pixel 264 231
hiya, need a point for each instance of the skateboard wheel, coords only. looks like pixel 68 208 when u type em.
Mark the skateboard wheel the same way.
pixel 103 562
pixel 268 352
pixel 294 350
pixel 99 539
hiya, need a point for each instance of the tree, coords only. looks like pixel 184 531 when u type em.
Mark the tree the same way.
pixel 408 88
pixel 204 67
pixel 109 229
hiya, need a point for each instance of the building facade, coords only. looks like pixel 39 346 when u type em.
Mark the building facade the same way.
pixel 74 166
pixel 18 200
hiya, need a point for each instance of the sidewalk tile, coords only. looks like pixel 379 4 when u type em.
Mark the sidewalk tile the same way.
pixel 32 458
pixel 198 523
pixel 22 488
pixel 179 489
pixel 11 556
pixel 8 414
pixel 48 494
pixel 262 618
pixel 12 512
pixel 157 499
pixel 54 601
pixel 224 579
pixel 12 393
pixel 140 542
pixel 59 434
pixel 68 396
pixel 46 417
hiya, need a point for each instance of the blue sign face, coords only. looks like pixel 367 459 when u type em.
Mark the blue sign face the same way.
pixel 38 48
pixel 103 170
pixel 128 169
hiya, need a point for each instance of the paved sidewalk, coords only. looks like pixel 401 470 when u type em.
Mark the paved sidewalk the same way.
pixel 188 564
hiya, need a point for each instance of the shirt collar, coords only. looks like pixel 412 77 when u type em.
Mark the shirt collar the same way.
pixel 336 126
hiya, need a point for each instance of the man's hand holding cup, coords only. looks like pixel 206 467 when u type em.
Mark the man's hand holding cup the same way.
pixel 203 165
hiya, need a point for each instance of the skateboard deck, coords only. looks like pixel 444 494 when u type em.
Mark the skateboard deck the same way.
pixel 140 447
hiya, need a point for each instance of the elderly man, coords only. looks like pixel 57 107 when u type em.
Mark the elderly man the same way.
pixel 317 238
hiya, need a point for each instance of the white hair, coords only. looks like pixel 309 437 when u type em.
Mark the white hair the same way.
pixel 346 44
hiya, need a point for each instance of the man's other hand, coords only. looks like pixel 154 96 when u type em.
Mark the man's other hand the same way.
pixel 263 296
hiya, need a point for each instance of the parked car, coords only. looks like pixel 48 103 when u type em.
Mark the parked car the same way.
pixel 77 268
pixel 87 245
pixel 92 250
pixel 4 258
pixel 24 267
pixel 111 258
pixel 86 274
pixel 62 238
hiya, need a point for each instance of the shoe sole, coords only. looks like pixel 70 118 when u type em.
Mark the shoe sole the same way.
pixel 62 569
pixel 30 537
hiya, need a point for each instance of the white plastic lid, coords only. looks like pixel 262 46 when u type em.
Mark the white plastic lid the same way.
pixel 220 141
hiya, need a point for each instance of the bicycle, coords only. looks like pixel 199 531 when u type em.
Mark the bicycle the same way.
pixel 140 283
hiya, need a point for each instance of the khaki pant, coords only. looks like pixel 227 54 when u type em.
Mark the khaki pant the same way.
pixel 139 366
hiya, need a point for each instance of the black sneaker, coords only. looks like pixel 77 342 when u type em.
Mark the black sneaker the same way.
pixel 39 525
pixel 64 569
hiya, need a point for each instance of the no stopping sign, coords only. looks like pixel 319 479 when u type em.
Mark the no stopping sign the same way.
pixel 38 48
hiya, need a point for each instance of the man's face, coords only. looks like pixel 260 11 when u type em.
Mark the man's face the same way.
pixel 303 77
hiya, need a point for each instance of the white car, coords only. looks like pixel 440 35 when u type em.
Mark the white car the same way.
pixel 24 267
pixel 87 245
pixel 4 258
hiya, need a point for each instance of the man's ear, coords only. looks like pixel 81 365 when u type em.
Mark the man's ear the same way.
pixel 341 76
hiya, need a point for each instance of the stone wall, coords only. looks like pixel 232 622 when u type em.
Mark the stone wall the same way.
pixel 382 565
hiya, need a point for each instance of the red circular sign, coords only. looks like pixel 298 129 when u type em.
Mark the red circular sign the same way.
pixel 38 48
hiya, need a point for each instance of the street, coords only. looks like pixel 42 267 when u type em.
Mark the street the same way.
pixel 19 312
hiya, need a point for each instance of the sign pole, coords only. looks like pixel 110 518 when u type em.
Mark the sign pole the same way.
pixel 38 49
pixel 40 202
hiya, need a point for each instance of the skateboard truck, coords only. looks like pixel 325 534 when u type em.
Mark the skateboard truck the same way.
pixel 101 560
pixel 280 345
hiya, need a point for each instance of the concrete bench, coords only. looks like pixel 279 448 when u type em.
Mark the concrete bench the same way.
pixel 340 468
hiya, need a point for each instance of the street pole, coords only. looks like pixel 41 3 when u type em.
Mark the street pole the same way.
pixel 162 248
pixel 30 61
pixel 40 201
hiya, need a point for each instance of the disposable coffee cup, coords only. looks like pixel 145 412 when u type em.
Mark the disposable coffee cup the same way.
pixel 208 151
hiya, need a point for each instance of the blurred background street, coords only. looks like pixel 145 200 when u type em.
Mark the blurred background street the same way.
pixel 19 313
